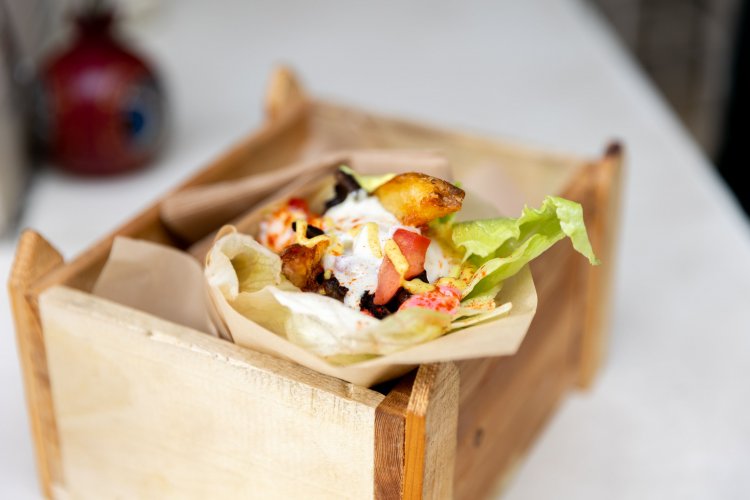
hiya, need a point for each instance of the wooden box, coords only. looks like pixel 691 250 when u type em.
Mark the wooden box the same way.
pixel 126 405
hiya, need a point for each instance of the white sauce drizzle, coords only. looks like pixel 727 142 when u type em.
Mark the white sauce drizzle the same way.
pixel 357 268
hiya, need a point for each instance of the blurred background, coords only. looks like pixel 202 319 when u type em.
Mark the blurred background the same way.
pixel 101 114
pixel 695 53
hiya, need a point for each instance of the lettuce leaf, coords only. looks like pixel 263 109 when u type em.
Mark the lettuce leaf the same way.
pixel 249 277
pixel 501 247
pixel 368 182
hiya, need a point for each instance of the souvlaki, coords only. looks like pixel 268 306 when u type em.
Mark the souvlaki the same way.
pixel 384 263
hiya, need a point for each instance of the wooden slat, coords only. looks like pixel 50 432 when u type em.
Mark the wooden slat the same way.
pixel 390 435
pixel 284 92
pixel 149 409
pixel 430 442
pixel 603 200
pixel 34 258
pixel 535 172
pixel 505 401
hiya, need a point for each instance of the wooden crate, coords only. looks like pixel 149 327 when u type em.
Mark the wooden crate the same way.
pixel 126 405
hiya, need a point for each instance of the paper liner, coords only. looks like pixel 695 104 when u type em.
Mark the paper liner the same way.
pixel 170 284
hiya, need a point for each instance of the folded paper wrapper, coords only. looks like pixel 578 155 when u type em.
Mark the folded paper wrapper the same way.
pixel 170 284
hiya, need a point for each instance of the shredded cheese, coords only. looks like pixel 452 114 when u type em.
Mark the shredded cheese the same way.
pixel 397 258
pixel 373 239
pixel 417 286
pixel 459 280
pixel 300 233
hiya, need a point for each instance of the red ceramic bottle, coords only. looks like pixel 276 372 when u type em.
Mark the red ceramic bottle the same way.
pixel 101 109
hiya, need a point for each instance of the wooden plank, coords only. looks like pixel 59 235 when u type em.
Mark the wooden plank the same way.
pixel 390 434
pixel 603 201
pixel 505 401
pixel 409 428
pixel 149 409
pixel 535 172
pixel 284 92
pixel 34 258
pixel 430 442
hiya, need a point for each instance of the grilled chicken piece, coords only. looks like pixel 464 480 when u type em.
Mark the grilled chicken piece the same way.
pixel 301 264
pixel 416 199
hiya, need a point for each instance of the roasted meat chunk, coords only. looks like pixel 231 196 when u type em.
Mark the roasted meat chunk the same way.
pixel 416 199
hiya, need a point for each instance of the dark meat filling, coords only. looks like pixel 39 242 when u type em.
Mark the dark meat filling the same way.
pixel 366 303
pixel 345 184
pixel 331 287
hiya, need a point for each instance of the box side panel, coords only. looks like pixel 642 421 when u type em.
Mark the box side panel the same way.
pixel 147 409
pixel 34 258
pixel 390 435
pixel 497 425
pixel 532 173
pixel 601 202
pixel 430 444
pixel 505 401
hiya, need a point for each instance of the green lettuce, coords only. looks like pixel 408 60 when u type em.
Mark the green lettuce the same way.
pixel 500 247
pixel 368 182
pixel 250 279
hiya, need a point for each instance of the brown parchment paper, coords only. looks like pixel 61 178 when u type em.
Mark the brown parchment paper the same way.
pixel 171 284
pixel 497 337
pixel 159 280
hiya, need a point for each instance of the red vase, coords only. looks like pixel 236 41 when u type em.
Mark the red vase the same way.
pixel 101 109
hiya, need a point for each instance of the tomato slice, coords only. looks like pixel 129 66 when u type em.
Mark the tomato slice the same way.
pixel 299 204
pixel 414 247
pixel 389 281
pixel 444 298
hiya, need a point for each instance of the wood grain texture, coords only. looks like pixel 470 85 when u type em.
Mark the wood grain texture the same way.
pixel 430 443
pixel 506 401
pixel 283 92
pixel 534 173
pixel 34 258
pixel 603 216
pixel 413 439
pixel 390 435
pixel 149 409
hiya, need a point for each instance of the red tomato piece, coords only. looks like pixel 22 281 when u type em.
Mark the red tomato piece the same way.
pixel 444 298
pixel 414 247
pixel 389 281
pixel 299 204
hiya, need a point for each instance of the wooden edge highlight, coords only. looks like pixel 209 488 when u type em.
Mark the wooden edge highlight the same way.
pixel 35 257
pixel 431 427
pixel 284 91
pixel 605 194
pixel 390 432
pixel 598 188
pixel 325 109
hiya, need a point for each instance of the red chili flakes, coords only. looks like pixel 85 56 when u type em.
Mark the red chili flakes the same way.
pixel 444 298
pixel 278 232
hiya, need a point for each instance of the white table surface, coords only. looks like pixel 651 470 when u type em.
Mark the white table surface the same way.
pixel 670 414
